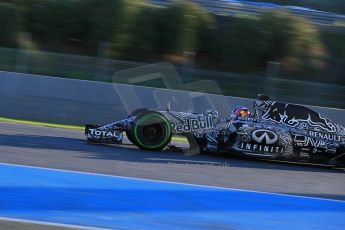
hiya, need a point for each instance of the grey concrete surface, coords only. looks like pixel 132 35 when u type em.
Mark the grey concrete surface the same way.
pixel 66 149
pixel 70 101
pixel 13 225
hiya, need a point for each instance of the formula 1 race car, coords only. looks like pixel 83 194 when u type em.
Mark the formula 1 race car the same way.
pixel 276 131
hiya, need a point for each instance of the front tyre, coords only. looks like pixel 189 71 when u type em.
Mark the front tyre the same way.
pixel 133 114
pixel 151 130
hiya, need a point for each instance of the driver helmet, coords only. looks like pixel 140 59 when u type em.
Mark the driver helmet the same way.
pixel 241 111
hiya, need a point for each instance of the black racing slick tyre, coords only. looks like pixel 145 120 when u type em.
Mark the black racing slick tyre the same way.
pixel 151 130
pixel 134 113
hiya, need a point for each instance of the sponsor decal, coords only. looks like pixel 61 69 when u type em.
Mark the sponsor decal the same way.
pixel 327 136
pixel 261 148
pixel 304 155
pixel 315 142
pixel 300 144
pixel 104 134
pixel 309 141
pixel 192 125
pixel 263 136
pixel 292 115
pixel 305 149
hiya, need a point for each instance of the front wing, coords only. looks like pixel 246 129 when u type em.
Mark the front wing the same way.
pixel 95 135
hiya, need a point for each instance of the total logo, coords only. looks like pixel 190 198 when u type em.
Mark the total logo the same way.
pixel 104 134
pixel 192 125
pixel 263 136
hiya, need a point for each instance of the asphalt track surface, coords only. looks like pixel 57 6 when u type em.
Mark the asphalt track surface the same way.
pixel 15 225
pixel 67 149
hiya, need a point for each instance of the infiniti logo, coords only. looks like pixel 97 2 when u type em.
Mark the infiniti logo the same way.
pixel 263 136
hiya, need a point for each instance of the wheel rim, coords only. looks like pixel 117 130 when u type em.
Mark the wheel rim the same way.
pixel 152 132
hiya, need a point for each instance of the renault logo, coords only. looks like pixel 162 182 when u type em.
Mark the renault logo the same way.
pixel 263 136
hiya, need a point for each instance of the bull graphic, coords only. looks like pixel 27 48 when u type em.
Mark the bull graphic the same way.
pixel 292 115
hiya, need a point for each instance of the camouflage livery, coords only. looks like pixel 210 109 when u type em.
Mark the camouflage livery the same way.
pixel 276 130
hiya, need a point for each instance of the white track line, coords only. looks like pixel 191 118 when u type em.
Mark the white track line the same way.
pixel 52 224
pixel 171 182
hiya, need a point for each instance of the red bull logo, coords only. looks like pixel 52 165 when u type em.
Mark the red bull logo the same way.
pixel 192 125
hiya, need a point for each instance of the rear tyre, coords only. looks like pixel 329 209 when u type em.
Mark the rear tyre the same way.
pixel 151 130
